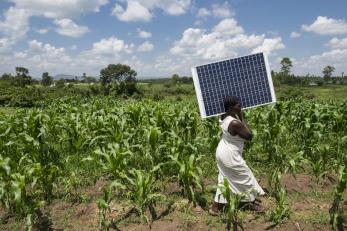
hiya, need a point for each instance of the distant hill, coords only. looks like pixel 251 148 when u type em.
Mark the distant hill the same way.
pixel 65 76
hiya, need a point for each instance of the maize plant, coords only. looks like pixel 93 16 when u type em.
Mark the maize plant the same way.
pixel 113 160
pixel 189 176
pixel 336 219
pixel 104 204
pixel 282 210
pixel 14 192
pixel 141 191
pixel 153 140
pixel 71 184
pixel 233 208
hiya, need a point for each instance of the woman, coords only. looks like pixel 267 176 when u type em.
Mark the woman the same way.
pixel 229 159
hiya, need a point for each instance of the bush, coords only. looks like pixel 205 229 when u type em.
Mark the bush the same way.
pixel 137 96
pixel 19 97
pixel 157 97
pixel 60 83
pixel 291 94
pixel 95 89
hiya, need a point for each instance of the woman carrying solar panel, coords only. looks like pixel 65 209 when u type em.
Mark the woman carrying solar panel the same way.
pixel 230 162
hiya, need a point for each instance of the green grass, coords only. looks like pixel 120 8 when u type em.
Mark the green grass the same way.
pixel 7 110
pixel 327 92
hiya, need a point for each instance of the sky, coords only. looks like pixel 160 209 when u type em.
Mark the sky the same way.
pixel 159 38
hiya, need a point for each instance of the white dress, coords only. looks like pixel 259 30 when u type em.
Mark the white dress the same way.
pixel 232 166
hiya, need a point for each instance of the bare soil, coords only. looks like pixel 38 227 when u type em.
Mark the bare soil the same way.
pixel 309 202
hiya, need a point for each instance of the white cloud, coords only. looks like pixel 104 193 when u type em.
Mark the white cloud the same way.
pixel 20 55
pixel 245 41
pixel 295 34
pixel 270 45
pixel 58 9
pixel 15 24
pixel 203 12
pixel 146 46
pixel 68 28
pixel 228 27
pixel 227 39
pixel 5 46
pixel 42 30
pixel 326 26
pixel 222 11
pixel 171 7
pixel 111 46
pixel 136 10
pixel 216 10
pixel 42 57
pixel 316 63
pixel 338 43
pixel 144 34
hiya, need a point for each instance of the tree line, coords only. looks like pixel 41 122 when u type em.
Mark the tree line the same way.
pixel 284 76
pixel 118 79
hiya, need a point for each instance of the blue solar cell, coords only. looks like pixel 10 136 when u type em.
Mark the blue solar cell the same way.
pixel 247 77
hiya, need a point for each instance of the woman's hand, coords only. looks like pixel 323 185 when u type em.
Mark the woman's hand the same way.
pixel 240 115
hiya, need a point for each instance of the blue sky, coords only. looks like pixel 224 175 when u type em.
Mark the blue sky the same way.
pixel 158 38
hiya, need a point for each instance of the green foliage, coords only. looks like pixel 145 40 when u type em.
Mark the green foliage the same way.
pixel 141 190
pixel 113 160
pixel 119 78
pixel 286 65
pixel 104 204
pixel 46 79
pixel 53 149
pixel 175 78
pixel 233 208
pixel 189 176
pixel 282 210
pixel 60 83
pixel 22 77
pixel 336 219
pixel 291 94
pixel 327 72
pixel 18 96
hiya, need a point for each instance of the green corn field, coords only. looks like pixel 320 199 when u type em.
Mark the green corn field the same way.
pixel 143 149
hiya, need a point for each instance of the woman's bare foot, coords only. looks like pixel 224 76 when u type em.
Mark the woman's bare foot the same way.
pixel 215 208
pixel 252 206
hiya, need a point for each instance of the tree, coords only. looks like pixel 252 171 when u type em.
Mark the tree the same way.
pixel 46 79
pixel 84 76
pixel 119 76
pixel 328 72
pixel 6 77
pixel 22 77
pixel 275 79
pixel 175 79
pixel 286 64
pixel 60 83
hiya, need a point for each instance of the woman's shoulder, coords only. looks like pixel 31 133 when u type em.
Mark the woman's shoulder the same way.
pixel 226 119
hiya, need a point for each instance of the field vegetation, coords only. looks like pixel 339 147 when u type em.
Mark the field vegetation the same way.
pixel 53 153
pixel 117 154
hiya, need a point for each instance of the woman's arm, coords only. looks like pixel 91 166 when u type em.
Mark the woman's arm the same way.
pixel 243 119
pixel 240 128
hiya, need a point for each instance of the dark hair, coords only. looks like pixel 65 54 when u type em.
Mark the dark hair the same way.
pixel 230 101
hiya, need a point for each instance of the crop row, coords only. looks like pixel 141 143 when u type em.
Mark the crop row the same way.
pixel 44 152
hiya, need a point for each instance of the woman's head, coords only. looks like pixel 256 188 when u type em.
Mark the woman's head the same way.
pixel 232 104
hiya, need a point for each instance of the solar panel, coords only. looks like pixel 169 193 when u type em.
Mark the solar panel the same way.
pixel 247 77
